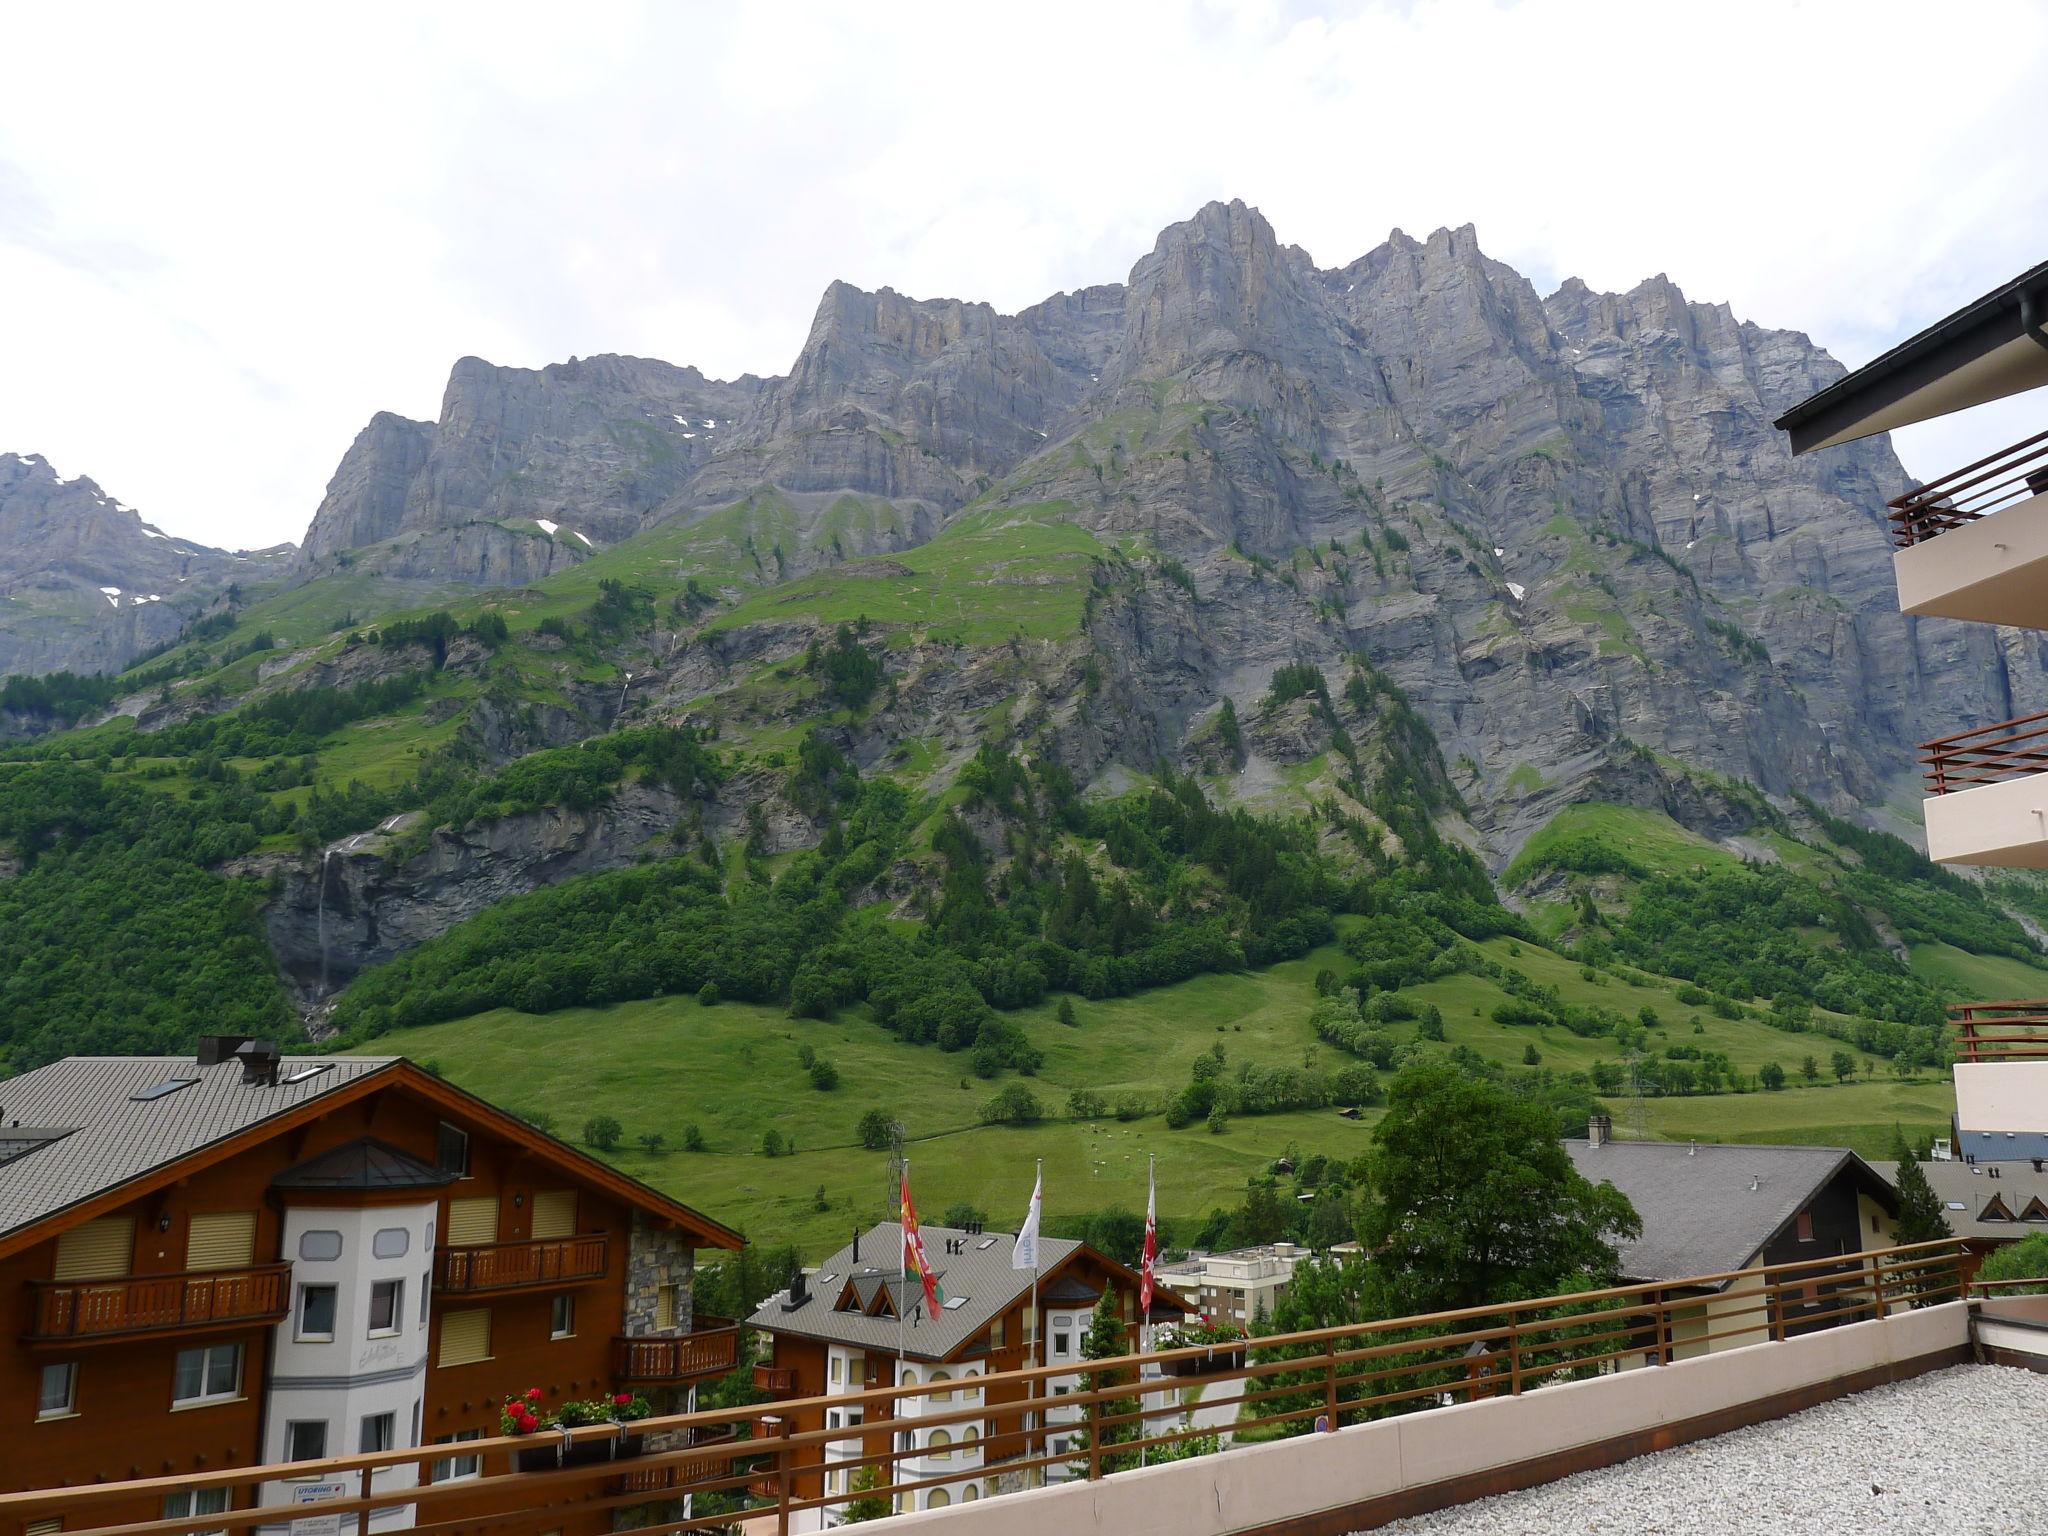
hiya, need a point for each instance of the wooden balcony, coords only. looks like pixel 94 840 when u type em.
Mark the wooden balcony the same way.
pixel 682 1476
pixel 1972 493
pixel 548 1263
pixel 2007 1031
pixel 711 1348
pixel 127 1306
pixel 777 1381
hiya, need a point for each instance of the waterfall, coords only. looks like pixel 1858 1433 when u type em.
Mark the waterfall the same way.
pixel 320 920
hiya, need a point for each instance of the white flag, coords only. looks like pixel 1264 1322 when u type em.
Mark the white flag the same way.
pixel 1025 1254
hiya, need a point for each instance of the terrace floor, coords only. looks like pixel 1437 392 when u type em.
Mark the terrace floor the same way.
pixel 1947 1453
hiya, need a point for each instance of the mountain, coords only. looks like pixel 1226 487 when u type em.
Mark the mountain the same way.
pixel 1130 637
pixel 1563 524
pixel 86 585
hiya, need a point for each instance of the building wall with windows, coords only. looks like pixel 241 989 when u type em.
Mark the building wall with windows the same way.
pixel 365 1318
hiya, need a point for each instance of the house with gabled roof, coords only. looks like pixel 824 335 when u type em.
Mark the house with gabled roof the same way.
pixel 239 1258
pixel 859 1322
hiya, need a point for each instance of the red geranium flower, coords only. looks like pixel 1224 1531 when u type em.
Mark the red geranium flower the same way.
pixel 533 1394
pixel 622 1398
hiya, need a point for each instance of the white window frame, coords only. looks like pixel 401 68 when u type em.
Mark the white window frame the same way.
pixel 69 1407
pixel 562 1316
pixel 397 1324
pixel 440 1137
pixel 291 1435
pixel 388 1434
pixel 206 1353
pixel 192 1498
pixel 456 1469
pixel 300 1333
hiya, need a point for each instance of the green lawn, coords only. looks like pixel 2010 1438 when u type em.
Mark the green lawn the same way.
pixel 1978 978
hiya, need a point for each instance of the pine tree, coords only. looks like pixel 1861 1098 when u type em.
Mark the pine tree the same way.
pixel 1921 1219
pixel 1105 1340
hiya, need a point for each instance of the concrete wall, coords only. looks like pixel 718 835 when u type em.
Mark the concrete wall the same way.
pixel 1988 572
pixel 1254 1486
pixel 2002 1095
pixel 2002 825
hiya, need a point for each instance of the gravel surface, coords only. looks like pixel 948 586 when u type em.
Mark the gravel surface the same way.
pixel 1952 1453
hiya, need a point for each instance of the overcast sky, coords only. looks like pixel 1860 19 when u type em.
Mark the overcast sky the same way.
pixel 228 235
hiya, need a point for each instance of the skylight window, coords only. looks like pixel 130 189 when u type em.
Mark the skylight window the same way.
pixel 162 1090
pixel 955 1303
pixel 986 1242
pixel 300 1074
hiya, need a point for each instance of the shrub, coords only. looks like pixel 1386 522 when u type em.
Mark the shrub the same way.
pixel 824 1076
pixel 875 1130
pixel 603 1132
pixel 1014 1105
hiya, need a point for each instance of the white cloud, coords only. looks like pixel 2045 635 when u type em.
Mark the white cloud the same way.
pixel 262 225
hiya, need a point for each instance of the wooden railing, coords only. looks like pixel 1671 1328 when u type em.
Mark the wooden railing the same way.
pixel 1287 1383
pixel 774 1380
pixel 2009 1031
pixel 515 1266
pixel 1989 754
pixel 79 1310
pixel 710 1348
pixel 711 1458
pixel 1976 490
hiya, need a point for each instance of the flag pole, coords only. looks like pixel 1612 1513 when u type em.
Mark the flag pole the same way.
pixel 1145 1289
pixel 1037 1324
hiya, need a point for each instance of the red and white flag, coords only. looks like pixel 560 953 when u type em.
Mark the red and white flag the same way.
pixel 1151 1246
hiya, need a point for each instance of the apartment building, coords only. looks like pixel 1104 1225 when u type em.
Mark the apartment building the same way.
pixel 1238 1286
pixel 858 1324
pixel 1972 545
pixel 233 1259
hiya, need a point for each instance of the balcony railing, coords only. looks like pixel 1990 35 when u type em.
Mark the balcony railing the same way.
pixel 711 1348
pixel 1343 1375
pixel 79 1311
pixel 714 1462
pixel 1974 491
pixel 2009 1031
pixel 1990 754
pixel 520 1266
pixel 774 1380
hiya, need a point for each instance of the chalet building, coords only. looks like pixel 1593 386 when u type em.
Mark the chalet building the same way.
pixel 232 1259
pixel 1988 1204
pixel 1710 1208
pixel 859 1324
pixel 1972 545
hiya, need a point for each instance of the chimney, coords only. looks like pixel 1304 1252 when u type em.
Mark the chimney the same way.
pixel 259 1059
pixel 856 1245
pixel 799 1291
pixel 215 1049
pixel 1599 1130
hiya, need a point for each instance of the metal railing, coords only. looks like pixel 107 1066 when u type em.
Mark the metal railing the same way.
pixel 710 1348
pixel 1130 1406
pixel 2016 1030
pixel 513 1266
pixel 125 1305
pixel 1989 754
pixel 1976 490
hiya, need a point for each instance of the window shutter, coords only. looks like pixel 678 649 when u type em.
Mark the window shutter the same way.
pixel 221 1240
pixel 43 1527
pixel 97 1250
pixel 465 1336
pixel 554 1213
pixel 665 1307
pixel 471 1222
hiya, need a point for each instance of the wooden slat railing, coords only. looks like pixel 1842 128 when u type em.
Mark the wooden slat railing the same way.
pixel 121 1307
pixel 1976 490
pixel 1989 754
pixel 512 1266
pixel 2015 1030
pixel 1344 1374
pixel 710 1348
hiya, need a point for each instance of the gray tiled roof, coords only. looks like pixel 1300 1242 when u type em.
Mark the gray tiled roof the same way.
pixel 1700 1214
pixel 365 1163
pixel 979 1278
pixel 2002 1146
pixel 1972 1188
pixel 113 1138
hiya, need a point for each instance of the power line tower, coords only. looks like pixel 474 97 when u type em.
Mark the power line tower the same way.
pixel 892 1197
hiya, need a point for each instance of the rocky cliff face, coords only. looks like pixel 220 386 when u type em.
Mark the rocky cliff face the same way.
pixel 86 585
pixel 526 470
